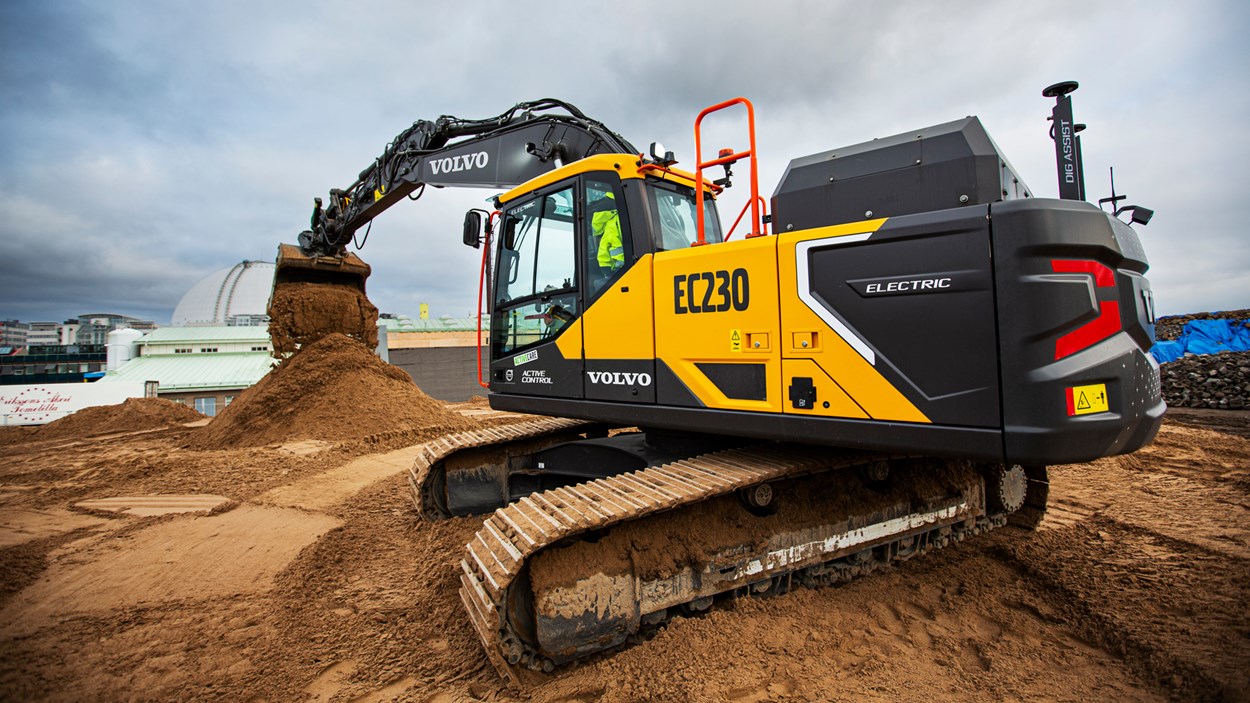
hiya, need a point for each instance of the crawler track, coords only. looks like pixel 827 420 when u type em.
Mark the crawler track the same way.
pixel 492 447
pixel 602 610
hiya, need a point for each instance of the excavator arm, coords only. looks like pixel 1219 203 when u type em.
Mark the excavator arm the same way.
pixel 527 140
pixel 319 287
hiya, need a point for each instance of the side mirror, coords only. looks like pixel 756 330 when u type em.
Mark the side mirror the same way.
pixel 473 229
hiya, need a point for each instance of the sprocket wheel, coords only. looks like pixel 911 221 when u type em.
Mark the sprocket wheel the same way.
pixel 1007 487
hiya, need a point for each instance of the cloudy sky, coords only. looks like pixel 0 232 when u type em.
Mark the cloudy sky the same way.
pixel 145 145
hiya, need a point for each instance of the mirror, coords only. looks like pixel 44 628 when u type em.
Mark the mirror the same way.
pixel 473 228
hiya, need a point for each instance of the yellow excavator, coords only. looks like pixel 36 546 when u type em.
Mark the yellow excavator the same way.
pixel 888 370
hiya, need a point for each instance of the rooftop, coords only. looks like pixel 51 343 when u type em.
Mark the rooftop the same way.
pixel 446 323
pixel 195 371
pixel 173 335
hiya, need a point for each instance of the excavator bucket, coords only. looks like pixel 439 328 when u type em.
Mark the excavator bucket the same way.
pixel 296 267
pixel 314 296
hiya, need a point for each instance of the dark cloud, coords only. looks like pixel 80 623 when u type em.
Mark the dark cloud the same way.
pixel 147 146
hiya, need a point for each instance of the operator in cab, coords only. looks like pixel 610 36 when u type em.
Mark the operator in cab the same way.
pixel 606 225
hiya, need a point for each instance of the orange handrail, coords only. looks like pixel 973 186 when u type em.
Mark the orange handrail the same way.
pixel 756 221
pixel 764 207
pixel 481 284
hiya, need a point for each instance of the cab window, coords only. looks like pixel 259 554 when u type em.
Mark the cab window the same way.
pixel 673 208
pixel 536 293
pixel 607 244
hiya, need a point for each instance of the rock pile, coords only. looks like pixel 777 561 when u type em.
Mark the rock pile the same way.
pixel 1167 328
pixel 1208 381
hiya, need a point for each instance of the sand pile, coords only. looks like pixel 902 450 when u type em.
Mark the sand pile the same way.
pixel 334 389
pixel 133 415
pixel 302 313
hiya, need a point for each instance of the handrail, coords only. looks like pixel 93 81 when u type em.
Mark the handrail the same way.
pixel 481 284
pixel 744 211
pixel 756 221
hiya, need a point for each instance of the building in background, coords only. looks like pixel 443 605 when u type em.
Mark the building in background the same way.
pixel 13 333
pixel 68 332
pixel 93 329
pixel 44 334
pixel 69 363
pixel 233 296
pixel 216 347
pixel 439 353
pixel 203 367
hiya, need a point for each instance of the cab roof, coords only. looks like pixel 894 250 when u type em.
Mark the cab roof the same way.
pixel 626 166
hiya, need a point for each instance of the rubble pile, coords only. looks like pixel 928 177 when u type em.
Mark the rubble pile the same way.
pixel 1168 328
pixel 1219 381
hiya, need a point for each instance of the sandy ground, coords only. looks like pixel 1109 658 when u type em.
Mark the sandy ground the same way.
pixel 307 576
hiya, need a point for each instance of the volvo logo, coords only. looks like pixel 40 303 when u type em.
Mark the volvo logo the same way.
pixel 619 378
pixel 462 162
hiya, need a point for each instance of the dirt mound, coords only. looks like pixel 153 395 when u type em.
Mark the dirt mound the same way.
pixel 334 389
pixel 132 415
pixel 301 313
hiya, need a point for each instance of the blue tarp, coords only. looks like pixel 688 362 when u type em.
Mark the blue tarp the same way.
pixel 1205 337
pixel 1168 351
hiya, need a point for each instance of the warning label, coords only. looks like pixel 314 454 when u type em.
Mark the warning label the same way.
pixel 1086 400
pixel 735 340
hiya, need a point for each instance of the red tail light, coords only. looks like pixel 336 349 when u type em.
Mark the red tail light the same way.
pixel 1108 321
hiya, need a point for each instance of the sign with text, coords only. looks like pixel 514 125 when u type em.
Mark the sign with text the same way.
pixel 41 404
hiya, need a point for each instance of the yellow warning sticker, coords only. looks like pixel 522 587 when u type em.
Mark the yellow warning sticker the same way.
pixel 735 340
pixel 1086 400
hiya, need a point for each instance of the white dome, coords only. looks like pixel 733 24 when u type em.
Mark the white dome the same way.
pixel 242 289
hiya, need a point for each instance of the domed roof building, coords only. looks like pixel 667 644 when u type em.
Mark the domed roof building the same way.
pixel 234 296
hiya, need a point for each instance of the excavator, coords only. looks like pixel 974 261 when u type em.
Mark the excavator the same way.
pixel 888 371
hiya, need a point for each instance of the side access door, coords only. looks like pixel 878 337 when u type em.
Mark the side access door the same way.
pixel 535 332
pixel 618 330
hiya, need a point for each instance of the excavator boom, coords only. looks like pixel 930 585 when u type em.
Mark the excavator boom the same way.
pixel 527 140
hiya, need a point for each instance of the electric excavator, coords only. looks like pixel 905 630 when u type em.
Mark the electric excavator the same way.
pixel 889 371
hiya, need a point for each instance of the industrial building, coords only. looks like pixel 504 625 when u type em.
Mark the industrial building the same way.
pixel 203 367
pixel 439 353
pixel 231 297
pixel 218 345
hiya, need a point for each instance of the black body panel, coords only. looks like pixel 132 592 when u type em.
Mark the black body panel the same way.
pixel 739 381
pixel 671 390
pixel 547 373
pixel 936 168
pixel 1037 306
pixel 626 380
pixel 920 293
pixel 896 437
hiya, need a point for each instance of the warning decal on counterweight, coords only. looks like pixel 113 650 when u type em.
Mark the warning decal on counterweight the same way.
pixel 1086 400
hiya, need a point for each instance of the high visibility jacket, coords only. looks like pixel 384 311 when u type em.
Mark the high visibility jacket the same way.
pixel 607 227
